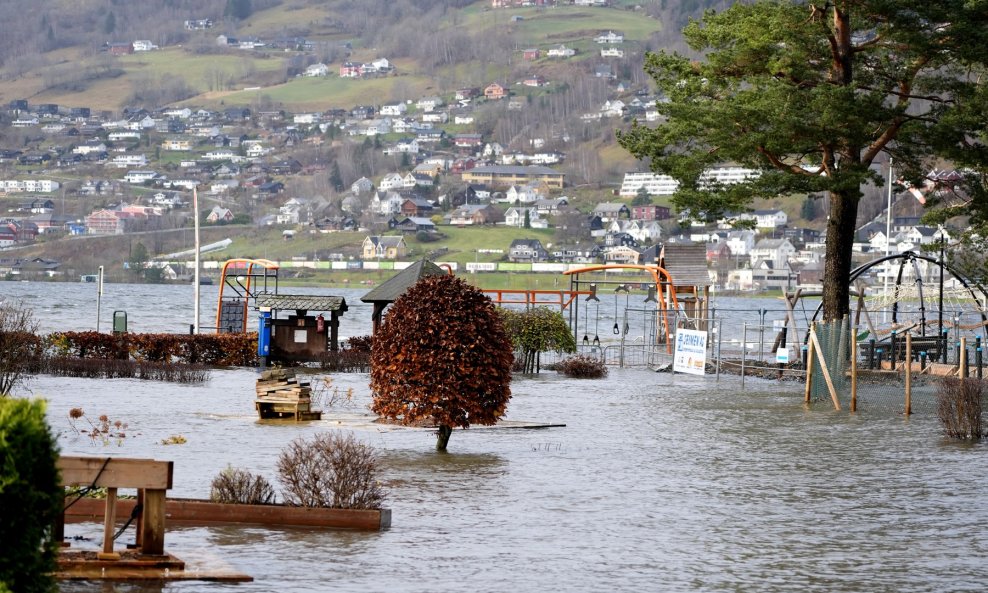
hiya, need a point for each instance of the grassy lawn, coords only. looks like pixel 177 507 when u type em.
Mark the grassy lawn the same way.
pixel 462 244
pixel 566 23
pixel 331 91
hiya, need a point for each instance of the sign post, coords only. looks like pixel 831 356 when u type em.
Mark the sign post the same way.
pixel 691 352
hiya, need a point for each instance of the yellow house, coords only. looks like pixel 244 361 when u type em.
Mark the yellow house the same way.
pixel 383 247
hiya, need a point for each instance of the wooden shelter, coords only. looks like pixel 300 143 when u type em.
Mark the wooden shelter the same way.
pixel 687 266
pixel 389 291
pixel 301 337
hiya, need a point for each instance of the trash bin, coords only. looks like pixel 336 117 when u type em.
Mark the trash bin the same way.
pixel 119 322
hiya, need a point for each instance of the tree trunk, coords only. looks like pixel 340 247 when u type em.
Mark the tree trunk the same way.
pixel 442 437
pixel 837 266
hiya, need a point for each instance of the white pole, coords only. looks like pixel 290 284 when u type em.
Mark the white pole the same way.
pixel 888 241
pixel 195 276
pixel 99 296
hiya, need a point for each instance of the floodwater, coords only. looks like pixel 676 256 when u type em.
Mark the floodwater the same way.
pixel 657 482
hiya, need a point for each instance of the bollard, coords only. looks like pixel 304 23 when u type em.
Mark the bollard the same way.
pixel 192 329
pixel 922 361
pixel 978 360
pixel 943 347
pixel 878 357
pixel 871 354
pixel 892 356
pixel 804 352
pixel 957 355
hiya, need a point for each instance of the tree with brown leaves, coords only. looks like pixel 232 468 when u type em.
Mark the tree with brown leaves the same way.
pixel 441 355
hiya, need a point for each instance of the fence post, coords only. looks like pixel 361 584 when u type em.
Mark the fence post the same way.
pixel 978 360
pixel 922 361
pixel 871 354
pixel 809 364
pixel 909 373
pixel 892 352
pixel 854 370
pixel 717 326
pixel 744 347
pixel 962 358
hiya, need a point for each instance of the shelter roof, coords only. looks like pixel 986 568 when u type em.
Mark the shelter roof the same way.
pixel 686 263
pixel 395 286
pixel 301 302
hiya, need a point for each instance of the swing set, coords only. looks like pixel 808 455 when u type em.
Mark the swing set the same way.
pixel 657 281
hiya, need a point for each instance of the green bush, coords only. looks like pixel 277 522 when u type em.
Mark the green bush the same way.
pixel 30 497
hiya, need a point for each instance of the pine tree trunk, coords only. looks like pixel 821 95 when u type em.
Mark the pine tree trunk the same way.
pixel 442 437
pixel 837 266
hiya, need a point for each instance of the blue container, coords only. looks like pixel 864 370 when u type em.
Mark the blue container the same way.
pixel 264 334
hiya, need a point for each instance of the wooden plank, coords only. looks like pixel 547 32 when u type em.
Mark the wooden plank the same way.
pixel 204 512
pixel 118 472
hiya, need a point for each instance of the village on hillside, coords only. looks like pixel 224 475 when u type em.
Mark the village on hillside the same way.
pixel 135 170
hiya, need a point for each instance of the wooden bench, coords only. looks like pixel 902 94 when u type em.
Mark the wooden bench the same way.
pixel 151 478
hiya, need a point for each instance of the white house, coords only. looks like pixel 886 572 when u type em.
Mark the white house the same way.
pixel 391 181
pixel 610 37
pixel 386 203
pixel 143 45
pixel 396 109
pixel 776 251
pixel 139 176
pixel 319 69
pixel 561 52
pixel 741 242
pixel 124 161
pixel 611 52
pixel 429 103
pixel 515 217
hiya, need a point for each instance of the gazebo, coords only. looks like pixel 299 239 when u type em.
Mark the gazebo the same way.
pixel 389 291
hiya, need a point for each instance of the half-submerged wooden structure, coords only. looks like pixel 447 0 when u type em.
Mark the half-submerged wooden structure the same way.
pixel 148 559
pixel 280 394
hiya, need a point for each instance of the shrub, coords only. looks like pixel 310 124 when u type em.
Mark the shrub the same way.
pixel 30 497
pixel 331 470
pixel 442 355
pixel 959 407
pixel 582 366
pixel 237 486
pixel 535 331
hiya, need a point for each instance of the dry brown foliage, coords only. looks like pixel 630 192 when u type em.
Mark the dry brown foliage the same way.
pixel 959 407
pixel 332 470
pixel 237 486
pixel 442 354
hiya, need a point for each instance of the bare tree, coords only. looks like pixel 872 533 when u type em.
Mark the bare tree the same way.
pixel 19 345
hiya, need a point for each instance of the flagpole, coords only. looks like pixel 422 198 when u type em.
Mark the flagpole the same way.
pixel 195 275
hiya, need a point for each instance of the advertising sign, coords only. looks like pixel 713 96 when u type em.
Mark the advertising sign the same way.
pixel 691 352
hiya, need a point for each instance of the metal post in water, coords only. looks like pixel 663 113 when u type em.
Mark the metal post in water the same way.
pixel 892 353
pixel 909 374
pixel 871 354
pixel 761 336
pixel 720 337
pixel 744 347
pixel 978 360
pixel 99 296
